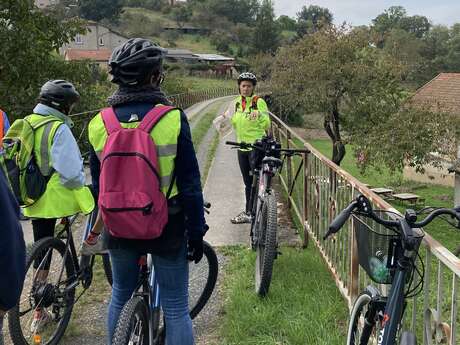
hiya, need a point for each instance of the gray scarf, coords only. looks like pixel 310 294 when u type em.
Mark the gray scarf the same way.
pixel 145 93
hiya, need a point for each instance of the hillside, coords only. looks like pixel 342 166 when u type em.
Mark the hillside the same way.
pixel 148 23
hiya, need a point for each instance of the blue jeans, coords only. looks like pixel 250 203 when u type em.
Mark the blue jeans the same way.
pixel 172 275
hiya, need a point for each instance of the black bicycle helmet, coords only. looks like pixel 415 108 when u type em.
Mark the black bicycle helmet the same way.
pixel 135 61
pixel 59 94
pixel 247 76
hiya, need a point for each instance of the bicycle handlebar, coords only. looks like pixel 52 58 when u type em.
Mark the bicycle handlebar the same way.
pixel 244 145
pixel 405 224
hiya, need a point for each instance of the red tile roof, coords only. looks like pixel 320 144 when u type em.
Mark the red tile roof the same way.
pixel 95 55
pixel 443 90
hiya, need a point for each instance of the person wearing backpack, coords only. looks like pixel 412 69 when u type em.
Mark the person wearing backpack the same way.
pixel 45 169
pixel 150 194
pixel 250 119
pixel 12 251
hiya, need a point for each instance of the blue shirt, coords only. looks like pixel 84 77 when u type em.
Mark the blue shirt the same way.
pixel 65 155
pixel 12 248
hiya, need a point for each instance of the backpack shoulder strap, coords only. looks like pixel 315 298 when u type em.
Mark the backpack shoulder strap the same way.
pixel 42 122
pixel 111 122
pixel 254 102
pixel 153 116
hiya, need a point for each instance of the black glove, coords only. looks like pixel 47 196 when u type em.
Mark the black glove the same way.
pixel 195 249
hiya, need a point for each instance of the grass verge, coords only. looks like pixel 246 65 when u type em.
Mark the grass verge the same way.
pixel 204 123
pixel 303 305
pixel 210 157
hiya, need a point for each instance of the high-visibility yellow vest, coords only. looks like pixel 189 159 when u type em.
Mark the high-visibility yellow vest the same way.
pixel 57 201
pixel 247 129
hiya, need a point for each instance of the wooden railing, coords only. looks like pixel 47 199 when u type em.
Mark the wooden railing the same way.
pixel 317 190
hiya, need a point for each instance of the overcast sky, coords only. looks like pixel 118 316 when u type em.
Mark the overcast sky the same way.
pixel 359 12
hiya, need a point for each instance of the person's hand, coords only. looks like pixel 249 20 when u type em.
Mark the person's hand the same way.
pixel 254 115
pixel 195 249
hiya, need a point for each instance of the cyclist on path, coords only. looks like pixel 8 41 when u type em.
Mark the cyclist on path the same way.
pixel 136 67
pixel 251 121
pixel 12 251
pixel 65 193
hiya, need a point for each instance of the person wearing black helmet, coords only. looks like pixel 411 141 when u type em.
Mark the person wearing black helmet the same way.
pixel 251 121
pixel 136 67
pixel 65 193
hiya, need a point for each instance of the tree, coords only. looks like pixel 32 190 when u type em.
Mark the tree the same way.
pixel 266 34
pixel 237 11
pixel 416 25
pixel 100 9
pixel 287 23
pixel 181 14
pixel 312 18
pixel 358 88
pixel 30 41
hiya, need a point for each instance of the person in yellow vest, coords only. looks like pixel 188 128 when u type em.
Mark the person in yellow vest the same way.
pixel 250 119
pixel 65 193
pixel 136 67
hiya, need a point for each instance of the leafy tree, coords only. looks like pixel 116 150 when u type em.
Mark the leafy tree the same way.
pixel 287 23
pixel 312 18
pixel 181 14
pixel 100 9
pixel 266 34
pixel 416 25
pixel 30 40
pixel 389 19
pixel 358 89
pixel 237 11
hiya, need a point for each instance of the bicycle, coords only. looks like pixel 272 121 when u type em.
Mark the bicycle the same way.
pixel 141 322
pixel 263 234
pixel 388 257
pixel 54 290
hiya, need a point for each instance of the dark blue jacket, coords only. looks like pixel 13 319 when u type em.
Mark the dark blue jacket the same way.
pixel 187 178
pixel 12 248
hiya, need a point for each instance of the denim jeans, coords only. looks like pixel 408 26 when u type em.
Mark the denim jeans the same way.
pixel 172 275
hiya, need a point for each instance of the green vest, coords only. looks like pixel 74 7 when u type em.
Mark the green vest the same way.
pixel 165 135
pixel 57 201
pixel 246 129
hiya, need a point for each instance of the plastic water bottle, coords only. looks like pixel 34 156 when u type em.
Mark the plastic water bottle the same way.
pixel 378 266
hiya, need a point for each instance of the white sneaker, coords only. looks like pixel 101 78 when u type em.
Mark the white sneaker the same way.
pixel 241 218
pixel 41 318
pixel 93 249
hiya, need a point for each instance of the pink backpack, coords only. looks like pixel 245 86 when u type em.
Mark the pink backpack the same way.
pixel 130 198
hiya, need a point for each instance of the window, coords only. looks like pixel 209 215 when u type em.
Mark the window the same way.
pixel 78 39
pixel 101 41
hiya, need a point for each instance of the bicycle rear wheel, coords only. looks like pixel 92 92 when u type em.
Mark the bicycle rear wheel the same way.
pixel 361 331
pixel 49 295
pixel 133 324
pixel 202 280
pixel 266 249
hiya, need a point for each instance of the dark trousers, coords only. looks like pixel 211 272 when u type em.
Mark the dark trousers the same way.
pixel 246 162
pixel 43 228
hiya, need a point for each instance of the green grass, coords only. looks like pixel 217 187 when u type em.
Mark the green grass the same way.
pixel 199 44
pixel 434 195
pixel 210 157
pixel 204 123
pixel 303 305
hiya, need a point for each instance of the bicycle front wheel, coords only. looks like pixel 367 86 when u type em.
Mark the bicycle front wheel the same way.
pixel 202 280
pixel 47 299
pixel 133 324
pixel 360 331
pixel 266 249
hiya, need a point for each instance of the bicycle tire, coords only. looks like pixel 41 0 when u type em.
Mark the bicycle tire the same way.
pixel 134 311
pixel 107 268
pixel 266 250
pixel 354 338
pixel 213 270
pixel 41 246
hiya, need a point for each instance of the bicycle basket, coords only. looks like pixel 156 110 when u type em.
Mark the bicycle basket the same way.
pixel 379 248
